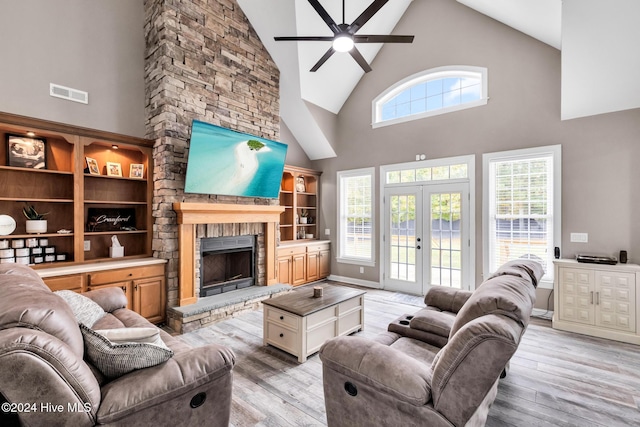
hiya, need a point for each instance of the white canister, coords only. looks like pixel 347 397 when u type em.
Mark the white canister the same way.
pixel 37 251
pixel 44 242
pixel 32 242
pixel 50 250
pixel 4 244
pixel 17 243
pixel 38 259
pixel 7 260
pixel 7 253
pixel 49 258
pixel 20 252
pixel 22 260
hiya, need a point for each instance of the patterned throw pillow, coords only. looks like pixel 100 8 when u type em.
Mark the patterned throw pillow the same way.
pixel 117 359
pixel 85 309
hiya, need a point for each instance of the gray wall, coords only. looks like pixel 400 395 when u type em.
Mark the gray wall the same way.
pixel 295 154
pixel 96 46
pixel 599 152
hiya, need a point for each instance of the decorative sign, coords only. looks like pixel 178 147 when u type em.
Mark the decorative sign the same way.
pixel 111 219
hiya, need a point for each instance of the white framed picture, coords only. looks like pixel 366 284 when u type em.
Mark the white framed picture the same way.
pixel 114 169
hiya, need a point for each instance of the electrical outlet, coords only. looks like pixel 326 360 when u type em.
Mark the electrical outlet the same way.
pixel 361 270
pixel 580 237
pixel 87 245
pixel 327 232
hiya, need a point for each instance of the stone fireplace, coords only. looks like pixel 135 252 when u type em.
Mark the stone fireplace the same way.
pixel 191 217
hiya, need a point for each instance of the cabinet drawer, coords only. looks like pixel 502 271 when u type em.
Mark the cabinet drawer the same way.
pixel 279 316
pixel 321 316
pixel 108 276
pixel 283 338
pixel 293 250
pixel 318 247
pixel 349 305
pixel 60 283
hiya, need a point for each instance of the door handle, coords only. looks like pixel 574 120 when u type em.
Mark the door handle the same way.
pixel 597 298
pixel 591 295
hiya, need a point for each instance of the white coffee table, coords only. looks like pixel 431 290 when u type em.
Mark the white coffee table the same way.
pixel 299 324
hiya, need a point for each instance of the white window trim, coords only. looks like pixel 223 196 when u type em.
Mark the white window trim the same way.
pixel 423 76
pixel 352 260
pixel 556 152
pixel 470 160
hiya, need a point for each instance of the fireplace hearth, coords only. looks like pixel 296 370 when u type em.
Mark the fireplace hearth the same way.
pixel 226 264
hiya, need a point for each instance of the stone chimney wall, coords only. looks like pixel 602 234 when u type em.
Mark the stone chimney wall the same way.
pixel 203 61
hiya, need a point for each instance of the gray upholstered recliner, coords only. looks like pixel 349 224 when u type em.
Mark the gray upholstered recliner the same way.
pixel 41 363
pixel 445 374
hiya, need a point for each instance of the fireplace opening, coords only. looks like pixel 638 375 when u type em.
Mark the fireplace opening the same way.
pixel 226 264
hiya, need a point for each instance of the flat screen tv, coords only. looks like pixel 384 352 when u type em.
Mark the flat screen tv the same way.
pixel 226 162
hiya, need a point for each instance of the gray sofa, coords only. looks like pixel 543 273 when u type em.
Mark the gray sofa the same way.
pixel 41 363
pixel 439 367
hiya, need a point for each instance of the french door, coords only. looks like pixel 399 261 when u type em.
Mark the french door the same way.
pixel 426 237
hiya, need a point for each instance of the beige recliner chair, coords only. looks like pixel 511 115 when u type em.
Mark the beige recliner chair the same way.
pixel 41 363
pixel 417 376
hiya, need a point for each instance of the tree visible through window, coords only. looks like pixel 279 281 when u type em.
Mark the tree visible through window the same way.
pixel 355 215
pixel 523 216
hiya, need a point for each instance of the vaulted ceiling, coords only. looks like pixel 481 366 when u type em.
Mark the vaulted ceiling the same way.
pixel 564 24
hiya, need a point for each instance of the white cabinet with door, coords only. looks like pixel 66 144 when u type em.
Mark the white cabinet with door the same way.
pixel 598 300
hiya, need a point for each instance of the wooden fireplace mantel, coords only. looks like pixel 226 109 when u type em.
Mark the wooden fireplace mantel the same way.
pixel 191 214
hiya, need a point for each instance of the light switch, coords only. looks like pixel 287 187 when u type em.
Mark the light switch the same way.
pixel 580 237
pixel 327 232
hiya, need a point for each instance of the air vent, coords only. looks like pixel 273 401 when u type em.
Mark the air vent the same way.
pixel 68 93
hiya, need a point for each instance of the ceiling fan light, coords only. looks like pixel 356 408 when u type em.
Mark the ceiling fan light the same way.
pixel 343 43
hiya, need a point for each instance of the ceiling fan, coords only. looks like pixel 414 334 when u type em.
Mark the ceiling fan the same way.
pixel 344 35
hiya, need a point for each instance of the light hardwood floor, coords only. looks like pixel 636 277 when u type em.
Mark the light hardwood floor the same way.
pixel 556 378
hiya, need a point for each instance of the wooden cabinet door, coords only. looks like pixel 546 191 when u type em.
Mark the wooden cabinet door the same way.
pixel 313 259
pixel 149 298
pixel 284 270
pixel 298 270
pixel 125 286
pixel 325 264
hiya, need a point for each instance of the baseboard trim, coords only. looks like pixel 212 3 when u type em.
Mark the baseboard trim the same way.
pixel 353 281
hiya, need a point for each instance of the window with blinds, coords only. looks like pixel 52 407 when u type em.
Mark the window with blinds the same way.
pixel 355 222
pixel 522 213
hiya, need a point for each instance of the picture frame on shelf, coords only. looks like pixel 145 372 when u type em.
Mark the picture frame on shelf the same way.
pixel 300 185
pixel 136 170
pixel 26 152
pixel 114 169
pixel 92 166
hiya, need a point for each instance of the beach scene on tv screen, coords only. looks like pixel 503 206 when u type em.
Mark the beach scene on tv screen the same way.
pixel 226 162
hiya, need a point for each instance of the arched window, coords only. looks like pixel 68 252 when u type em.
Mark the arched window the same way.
pixel 430 92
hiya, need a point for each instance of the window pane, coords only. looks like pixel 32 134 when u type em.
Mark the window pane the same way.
pixel 458 171
pixel 451 98
pixel 521 217
pixel 408 175
pixel 434 87
pixel 393 177
pixel 434 102
pixel 423 174
pixel 356 219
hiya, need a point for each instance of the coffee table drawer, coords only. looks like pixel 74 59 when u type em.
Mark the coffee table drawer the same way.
pixel 317 337
pixel 279 316
pixel 322 316
pixel 346 306
pixel 283 338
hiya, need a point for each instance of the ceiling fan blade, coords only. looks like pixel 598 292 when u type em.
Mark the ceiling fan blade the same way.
pixel 322 60
pixel 355 53
pixel 365 16
pixel 382 39
pixel 325 16
pixel 305 38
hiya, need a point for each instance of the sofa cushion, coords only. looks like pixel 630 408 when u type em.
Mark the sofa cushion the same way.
pixel 435 322
pixel 86 311
pixel 446 299
pixel 116 359
pixel 25 301
pixel 527 269
pixel 125 335
pixel 507 294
